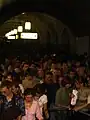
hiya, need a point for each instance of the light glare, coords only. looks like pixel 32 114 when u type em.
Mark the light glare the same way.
pixel 17 36
pixel 11 37
pixel 20 29
pixel 29 36
pixel 27 25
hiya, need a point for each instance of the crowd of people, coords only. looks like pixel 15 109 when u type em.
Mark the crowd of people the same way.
pixel 28 89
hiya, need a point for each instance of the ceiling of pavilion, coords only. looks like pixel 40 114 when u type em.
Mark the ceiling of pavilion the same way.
pixel 48 28
pixel 74 13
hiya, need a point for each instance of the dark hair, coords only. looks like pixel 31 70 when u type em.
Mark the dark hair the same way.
pixel 29 91
pixel 40 89
pixel 7 84
pixel 65 81
pixel 81 80
pixel 48 73
pixel 10 74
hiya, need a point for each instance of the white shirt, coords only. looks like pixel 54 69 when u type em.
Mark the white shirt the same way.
pixel 42 100
pixel 21 88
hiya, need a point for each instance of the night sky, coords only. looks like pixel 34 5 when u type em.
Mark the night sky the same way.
pixel 74 13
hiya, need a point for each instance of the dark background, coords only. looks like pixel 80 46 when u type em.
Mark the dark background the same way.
pixel 74 13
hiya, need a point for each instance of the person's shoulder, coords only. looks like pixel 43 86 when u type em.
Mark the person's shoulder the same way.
pixel 61 89
pixel 43 96
pixel 18 97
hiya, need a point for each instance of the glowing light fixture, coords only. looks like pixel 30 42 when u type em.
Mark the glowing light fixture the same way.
pixel 12 32
pixel 20 28
pixel 29 36
pixel 27 25
pixel 7 34
pixel 17 36
pixel 15 31
pixel 11 37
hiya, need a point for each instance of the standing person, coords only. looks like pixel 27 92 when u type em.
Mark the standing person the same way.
pixel 50 87
pixel 63 99
pixel 11 106
pixel 32 107
pixel 42 99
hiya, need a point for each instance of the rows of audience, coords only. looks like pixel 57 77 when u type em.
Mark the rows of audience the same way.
pixel 28 89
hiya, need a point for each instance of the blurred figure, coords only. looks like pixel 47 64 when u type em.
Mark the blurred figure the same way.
pixel 11 103
pixel 42 99
pixel 32 108
pixel 50 87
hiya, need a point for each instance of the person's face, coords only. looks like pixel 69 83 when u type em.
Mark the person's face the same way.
pixel 68 86
pixel 71 75
pixel 5 91
pixel 81 70
pixel 77 84
pixel 37 96
pixel 15 90
pixel 9 78
pixel 48 78
pixel 25 67
pixel 40 73
pixel 77 64
pixel 65 67
pixel 29 98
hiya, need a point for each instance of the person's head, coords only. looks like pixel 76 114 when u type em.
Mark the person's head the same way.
pixel 81 70
pixel 66 83
pixel 48 77
pixel 29 94
pixel 64 66
pixel 77 63
pixel 16 89
pixel 71 73
pixel 40 72
pixel 53 66
pixel 28 76
pixel 6 88
pixel 40 89
pixel 9 77
pixel 25 66
pixel 80 82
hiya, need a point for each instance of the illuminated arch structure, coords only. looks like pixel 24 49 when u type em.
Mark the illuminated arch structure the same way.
pixel 49 29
